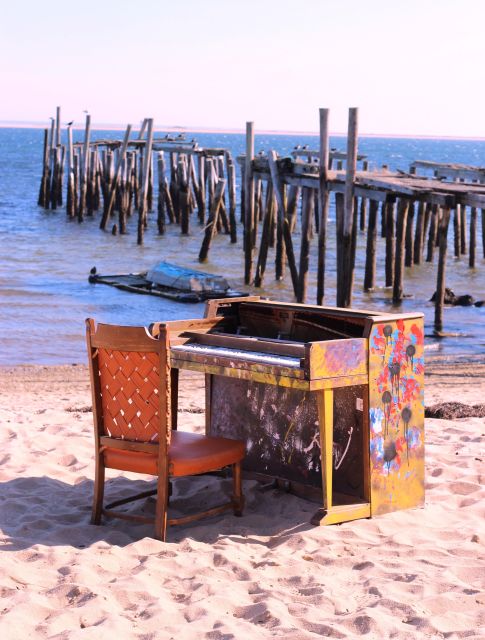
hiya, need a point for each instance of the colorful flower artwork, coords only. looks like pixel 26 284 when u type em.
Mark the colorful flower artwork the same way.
pixel 396 414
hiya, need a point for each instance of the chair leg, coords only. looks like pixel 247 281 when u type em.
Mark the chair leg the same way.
pixel 237 498
pixel 161 508
pixel 98 494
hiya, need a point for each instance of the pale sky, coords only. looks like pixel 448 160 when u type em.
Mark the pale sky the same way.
pixel 413 67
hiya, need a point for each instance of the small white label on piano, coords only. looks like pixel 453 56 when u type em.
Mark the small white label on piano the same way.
pixel 359 404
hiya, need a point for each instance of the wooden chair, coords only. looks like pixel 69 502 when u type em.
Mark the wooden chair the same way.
pixel 130 382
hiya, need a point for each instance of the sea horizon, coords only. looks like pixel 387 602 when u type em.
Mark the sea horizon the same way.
pixel 113 126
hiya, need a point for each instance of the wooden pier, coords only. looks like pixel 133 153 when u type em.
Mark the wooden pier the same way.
pixel 184 182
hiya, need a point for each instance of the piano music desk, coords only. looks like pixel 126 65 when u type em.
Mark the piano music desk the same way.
pixel 329 401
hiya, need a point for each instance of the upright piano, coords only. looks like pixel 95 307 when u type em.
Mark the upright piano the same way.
pixel 329 401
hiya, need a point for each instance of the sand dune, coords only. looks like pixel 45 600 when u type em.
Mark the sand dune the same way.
pixel 411 574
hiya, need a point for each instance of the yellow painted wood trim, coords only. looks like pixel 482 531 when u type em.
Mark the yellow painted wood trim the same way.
pixel 243 374
pixel 338 514
pixel 335 383
pixel 325 419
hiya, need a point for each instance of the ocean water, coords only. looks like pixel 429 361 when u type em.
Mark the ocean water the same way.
pixel 45 259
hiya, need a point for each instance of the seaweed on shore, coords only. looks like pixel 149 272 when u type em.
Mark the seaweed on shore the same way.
pixel 452 410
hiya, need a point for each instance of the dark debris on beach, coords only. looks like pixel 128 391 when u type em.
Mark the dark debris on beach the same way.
pixel 453 410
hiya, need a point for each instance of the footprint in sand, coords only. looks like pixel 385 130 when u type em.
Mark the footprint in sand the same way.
pixel 463 488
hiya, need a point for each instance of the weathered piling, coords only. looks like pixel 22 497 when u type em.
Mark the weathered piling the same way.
pixel 110 200
pixel 443 222
pixel 71 190
pixel 473 237
pixel 409 235
pixel 323 201
pixel 283 220
pixel 390 242
pixel 265 242
pixel 43 191
pixel 211 225
pixel 345 270
pixel 463 227
pixel 457 230
pixel 370 256
pixel 306 216
pixel 419 234
pixel 401 220
pixel 84 169
pixel 183 194
pixel 231 181
pixel 248 204
pixel 143 205
pixel 433 233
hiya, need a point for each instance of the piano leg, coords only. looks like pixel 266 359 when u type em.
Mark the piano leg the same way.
pixel 330 513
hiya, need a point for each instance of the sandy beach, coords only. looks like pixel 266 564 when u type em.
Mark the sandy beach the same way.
pixel 410 574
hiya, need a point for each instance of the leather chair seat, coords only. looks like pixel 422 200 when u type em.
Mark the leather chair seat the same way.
pixel 189 454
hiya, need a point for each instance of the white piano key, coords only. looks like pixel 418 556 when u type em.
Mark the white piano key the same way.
pixel 254 356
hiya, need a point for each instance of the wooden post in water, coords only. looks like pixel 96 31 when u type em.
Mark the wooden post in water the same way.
pixel 54 177
pixel 306 213
pixel 223 222
pixel 182 181
pixel 292 205
pixel 419 234
pixel 231 181
pixel 457 231
pixel 283 219
pixel 84 169
pixel 43 191
pixel 202 195
pixel 265 236
pixel 166 197
pixel 58 127
pixel 370 256
pixel 248 204
pixel 441 275
pixel 161 208
pixel 433 233
pixel 108 204
pixel 345 270
pixel 402 214
pixel 174 186
pixel 409 236
pixel 142 209
pixel 463 229
pixel 211 226
pixel 383 219
pixel 483 232
pixel 473 237
pixel 390 241
pixel 323 201
pixel 70 202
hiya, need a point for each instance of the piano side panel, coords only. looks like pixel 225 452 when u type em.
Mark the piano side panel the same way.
pixel 396 415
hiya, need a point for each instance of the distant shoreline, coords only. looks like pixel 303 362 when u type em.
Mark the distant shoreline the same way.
pixel 4 124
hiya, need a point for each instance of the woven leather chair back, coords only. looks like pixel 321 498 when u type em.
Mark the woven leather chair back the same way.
pixel 131 374
pixel 129 384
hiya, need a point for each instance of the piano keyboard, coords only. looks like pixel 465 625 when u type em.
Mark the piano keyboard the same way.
pixel 236 354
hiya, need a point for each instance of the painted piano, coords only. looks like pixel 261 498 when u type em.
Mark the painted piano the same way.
pixel 330 401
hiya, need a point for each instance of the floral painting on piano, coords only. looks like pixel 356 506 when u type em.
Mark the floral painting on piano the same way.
pixel 396 412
